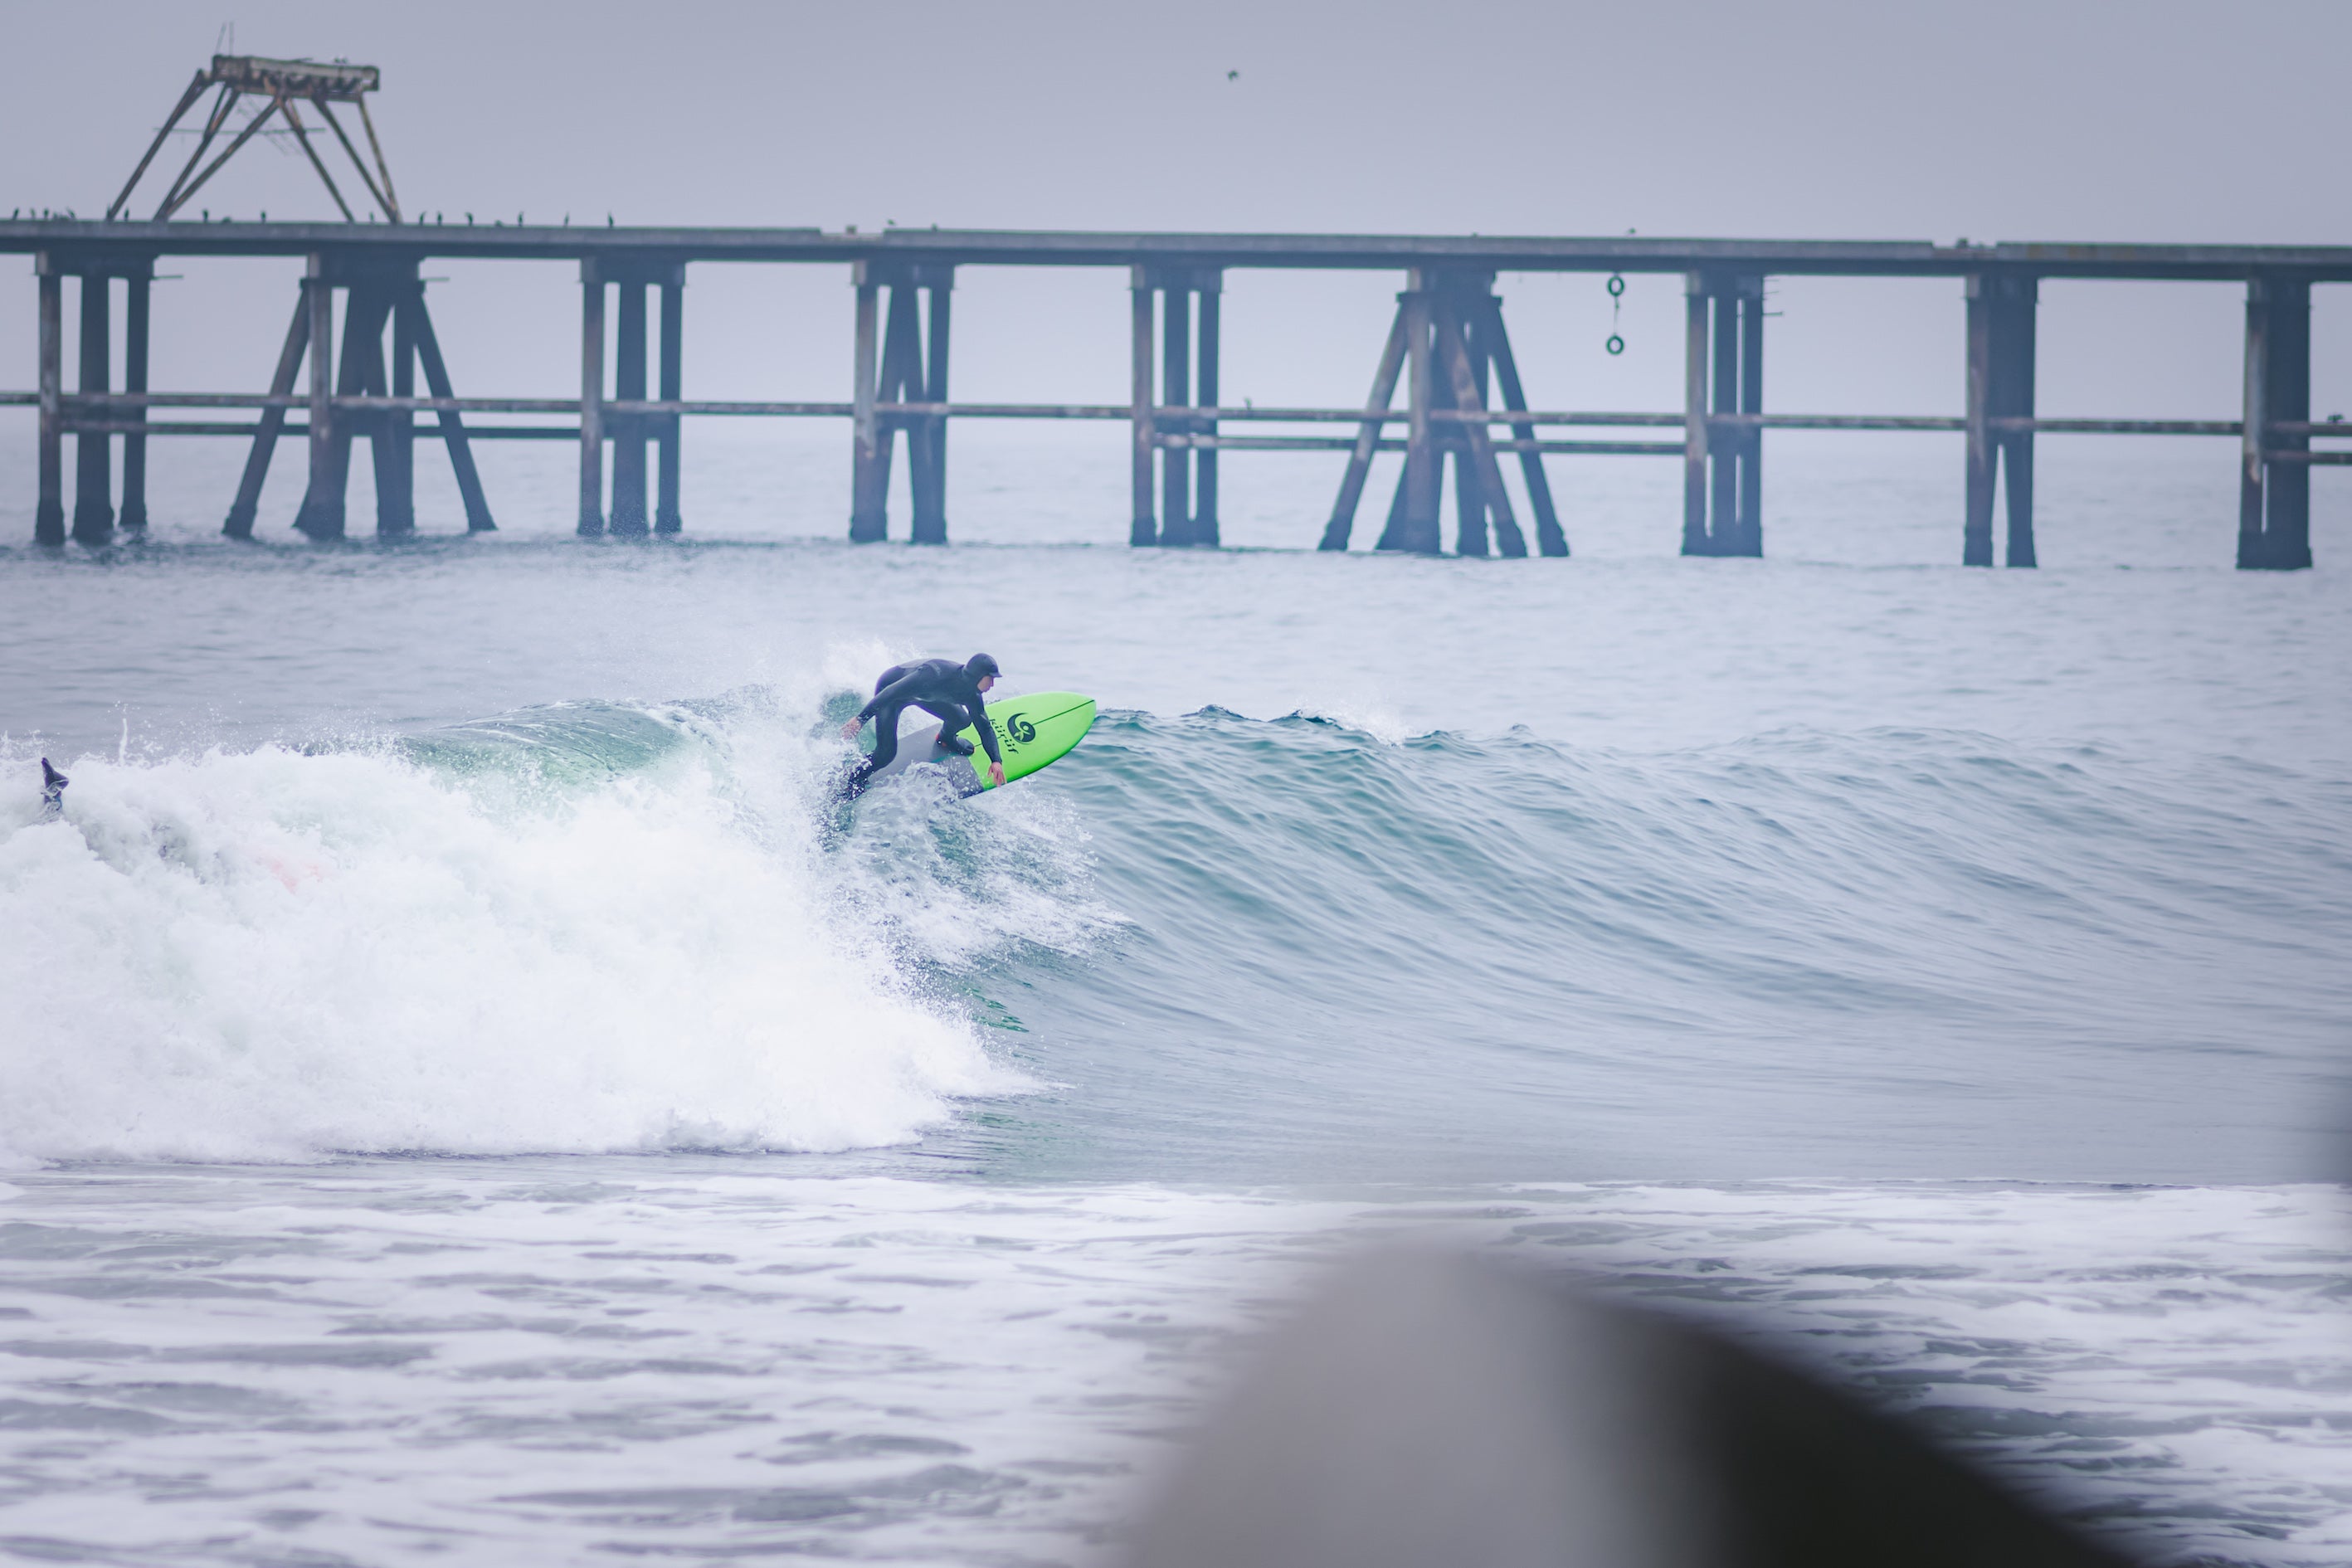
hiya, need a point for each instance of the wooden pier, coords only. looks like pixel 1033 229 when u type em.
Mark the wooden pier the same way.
pixel 1448 354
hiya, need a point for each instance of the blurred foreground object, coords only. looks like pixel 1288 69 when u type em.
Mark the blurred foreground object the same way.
pixel 1426 1411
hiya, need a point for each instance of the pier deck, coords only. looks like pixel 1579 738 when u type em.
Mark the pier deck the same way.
pixel 1448 354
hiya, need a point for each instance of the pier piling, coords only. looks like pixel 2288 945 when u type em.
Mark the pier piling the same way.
pixel 592 397
pixel 1412 514
pixel 93 513
pixel 243 512
pixel 1723 384
pixel 50 510
pixel 322 514
pixel 1208 288
pixel 453 423
pixel 1176 392
pixel 2274 473
pixel 395 452
pixel 2000 337
pixel 903 369
pixel 1182 442
pixel 1449 343
pixel 673 328
pixel 1144 528
pixel 627 432
pixel 927 436
pixel 137 283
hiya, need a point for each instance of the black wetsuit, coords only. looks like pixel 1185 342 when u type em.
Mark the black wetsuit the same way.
pixel 938 686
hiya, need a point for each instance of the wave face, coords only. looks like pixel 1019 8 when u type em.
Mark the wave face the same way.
pixel 1208 947
pixel 1887 952
pixel 574 928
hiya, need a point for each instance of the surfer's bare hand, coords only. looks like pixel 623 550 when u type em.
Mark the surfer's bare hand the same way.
pixel 849 730
pixel 996 772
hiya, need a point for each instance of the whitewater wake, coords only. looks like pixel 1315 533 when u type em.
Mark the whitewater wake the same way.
pixel 591 928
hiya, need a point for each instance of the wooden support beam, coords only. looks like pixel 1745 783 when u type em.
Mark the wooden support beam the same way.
pixel 2015 308
pixel 673 355
pixel 1368 435
pixel 395 451
pixel 248 505
pixel 1748 521
pixel 302 134
pixel 367 312
pixel 931 493
pixel 365 303
pixel 186 193
pixel 1176 392
pixel 1696 322
pixel 628 431
pixel 383 169
pixel 1392 530
pixel 592 397
pixel 1144 527
pixel 2275 466
pixel 453 423
pixel 138 285
pixel 1210 284
pixel 93 513
pixel 1475 500
pixel 868 522
pixel 49 505
pixel 1479 489
pixel 1550 538
pixel 1420 488
pixel 385 204
pixel 902 377
pixel 188 100
pixel 321 512
pixel 214 120
pixel 2286 485
pixel 1448 439
pixel 1723 455
pixel 1976 538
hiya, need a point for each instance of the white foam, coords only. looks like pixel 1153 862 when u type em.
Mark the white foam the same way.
pixel 271 955
pixel 1366 713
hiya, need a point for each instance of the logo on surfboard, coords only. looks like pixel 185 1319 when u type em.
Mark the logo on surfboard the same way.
pixel 1019 728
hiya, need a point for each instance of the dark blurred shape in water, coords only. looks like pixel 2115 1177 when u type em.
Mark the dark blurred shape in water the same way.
pixel 1424 1410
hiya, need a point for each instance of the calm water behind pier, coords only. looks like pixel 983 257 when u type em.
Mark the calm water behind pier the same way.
pixel 464 1098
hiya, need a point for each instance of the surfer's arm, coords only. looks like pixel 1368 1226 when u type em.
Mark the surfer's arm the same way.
pixel 976 716
pixel 901 691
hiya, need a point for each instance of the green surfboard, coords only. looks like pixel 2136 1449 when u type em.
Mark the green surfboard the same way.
pixel 1032 731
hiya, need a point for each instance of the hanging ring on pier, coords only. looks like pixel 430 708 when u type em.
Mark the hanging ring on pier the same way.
pixel 1616 284
pixel 1616 345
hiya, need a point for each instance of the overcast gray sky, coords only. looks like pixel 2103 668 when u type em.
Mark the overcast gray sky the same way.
pixel 1998 120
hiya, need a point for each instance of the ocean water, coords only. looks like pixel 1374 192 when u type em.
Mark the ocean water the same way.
pixel 465 1094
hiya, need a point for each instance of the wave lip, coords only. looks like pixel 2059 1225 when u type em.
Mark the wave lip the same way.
pixel 272 955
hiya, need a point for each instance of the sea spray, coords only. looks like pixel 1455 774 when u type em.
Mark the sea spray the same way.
pixel 275 955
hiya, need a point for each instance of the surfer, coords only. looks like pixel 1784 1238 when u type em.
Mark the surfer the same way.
pixel 53 791
pixel 948 691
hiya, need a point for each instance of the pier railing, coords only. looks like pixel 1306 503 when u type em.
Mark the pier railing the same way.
pixel 1448 354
